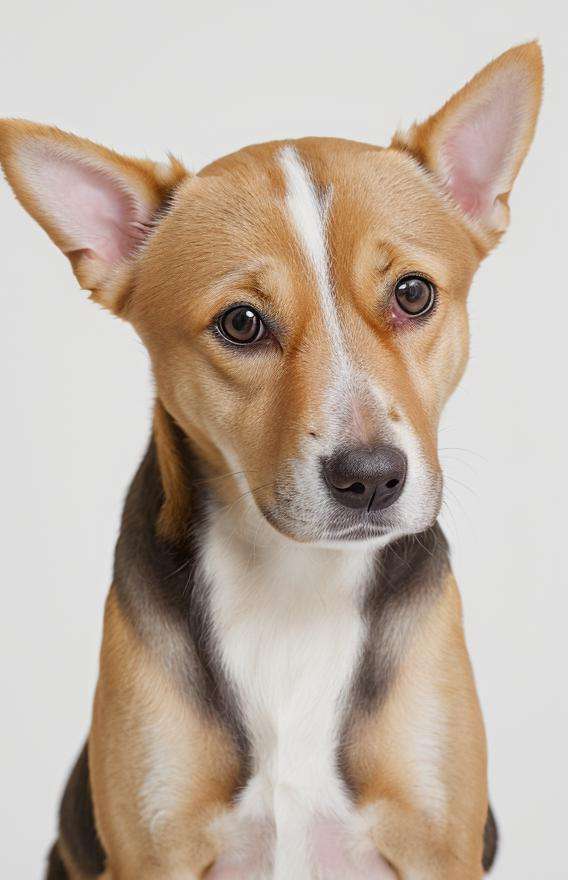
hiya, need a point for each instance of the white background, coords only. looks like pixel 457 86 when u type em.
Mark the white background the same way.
pixel 202 79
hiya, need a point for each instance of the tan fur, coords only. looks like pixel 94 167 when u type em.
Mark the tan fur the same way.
pixel 141 722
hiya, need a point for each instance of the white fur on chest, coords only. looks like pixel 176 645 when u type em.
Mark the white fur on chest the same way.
pixel 287 624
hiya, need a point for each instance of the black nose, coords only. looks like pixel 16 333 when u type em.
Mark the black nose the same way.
pixel 363 478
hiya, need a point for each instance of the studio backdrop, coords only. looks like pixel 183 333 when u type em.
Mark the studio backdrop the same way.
pixel 201 79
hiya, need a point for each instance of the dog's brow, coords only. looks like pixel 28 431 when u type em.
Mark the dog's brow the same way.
pixel 247 274
pixel 384 257
pixel 234 278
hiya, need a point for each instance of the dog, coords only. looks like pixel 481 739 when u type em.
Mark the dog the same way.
pixel 284 689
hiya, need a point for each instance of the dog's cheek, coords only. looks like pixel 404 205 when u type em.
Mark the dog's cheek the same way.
pixel 436 361
pixel 452 354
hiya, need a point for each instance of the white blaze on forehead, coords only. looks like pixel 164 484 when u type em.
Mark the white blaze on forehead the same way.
pixel 309 211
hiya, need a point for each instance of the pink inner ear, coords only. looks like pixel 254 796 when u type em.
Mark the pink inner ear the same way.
pixel 89 206
pixel 479 149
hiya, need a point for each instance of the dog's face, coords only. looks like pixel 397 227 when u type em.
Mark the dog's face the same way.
pixel 312 330
pixel 303 303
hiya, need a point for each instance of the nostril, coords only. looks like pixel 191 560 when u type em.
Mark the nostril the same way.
pixel 355 488
pixel 392 483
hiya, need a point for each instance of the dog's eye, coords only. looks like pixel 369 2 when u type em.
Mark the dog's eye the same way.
pixel 414 295
pixel 241 325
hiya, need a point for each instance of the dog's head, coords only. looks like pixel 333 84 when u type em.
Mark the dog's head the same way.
pixel 303 303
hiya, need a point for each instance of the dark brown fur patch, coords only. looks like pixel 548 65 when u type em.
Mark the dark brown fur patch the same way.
pixel 56 870
pixel 77 826
pixel 490 841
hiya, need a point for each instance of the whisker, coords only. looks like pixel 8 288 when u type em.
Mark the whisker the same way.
pixel 203 480
pixel 455 459
pixel 178 569
pixel 463 449
pixel 227 507
pixel 451 514
pixel 420 544
pixel 458 500
pixel 464 485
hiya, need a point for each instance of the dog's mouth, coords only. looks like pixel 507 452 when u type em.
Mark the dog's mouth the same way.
pixel 336 527
pixel 366 529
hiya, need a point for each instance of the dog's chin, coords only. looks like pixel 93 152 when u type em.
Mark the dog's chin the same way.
pixel 348 528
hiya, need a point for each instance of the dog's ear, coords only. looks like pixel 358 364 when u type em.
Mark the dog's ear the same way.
pixel 96 205
pixel 476 143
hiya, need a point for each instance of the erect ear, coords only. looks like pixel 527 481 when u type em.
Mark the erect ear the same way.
pixel 96 205
pixel 476 143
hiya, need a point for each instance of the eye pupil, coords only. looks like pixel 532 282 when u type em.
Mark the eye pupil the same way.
pixel 414 295
pixel 243 320
pixel 241 325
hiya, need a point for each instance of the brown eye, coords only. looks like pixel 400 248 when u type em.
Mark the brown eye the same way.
pixel 414 295
pixel 241 325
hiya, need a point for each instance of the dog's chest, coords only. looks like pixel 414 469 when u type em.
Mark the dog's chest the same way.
pixel 290 640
